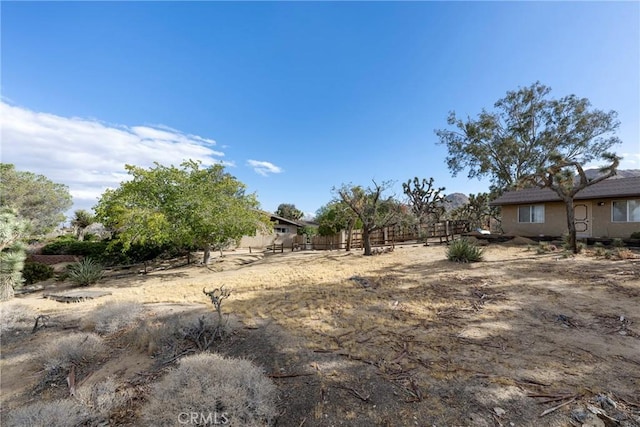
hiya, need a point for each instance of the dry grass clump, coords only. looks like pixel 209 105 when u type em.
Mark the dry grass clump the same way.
pixel 16 316
pixel 625 254
pixel 78 349
pixel 103 397
pixel 168 337
pixel 56 413
pixel 210 385
pixel 112 317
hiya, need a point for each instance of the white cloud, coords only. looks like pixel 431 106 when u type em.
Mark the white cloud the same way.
pixel 631 159
pixel 264 168
pixel 88 155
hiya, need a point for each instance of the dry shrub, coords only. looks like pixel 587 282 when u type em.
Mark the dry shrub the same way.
pixel 210 385
pixel 16 316
pixel 168 337
pixel 78 349
pixel 625 254
pixel 112 317
pixel 56 413
pixel 102 397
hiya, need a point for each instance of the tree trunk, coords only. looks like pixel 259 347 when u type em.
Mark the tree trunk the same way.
pixel 6 288
pixel 366 241
pixel 207 254
pixel 571 224
pixel 349 235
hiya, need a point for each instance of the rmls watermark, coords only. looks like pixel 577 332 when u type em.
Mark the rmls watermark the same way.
pixel 203 418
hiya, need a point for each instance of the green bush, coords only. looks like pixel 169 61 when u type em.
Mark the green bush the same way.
pixel 34 272
pixel 463 250
pixel 617 242
pixel 74 247
pixel 85 272
pixel 635 235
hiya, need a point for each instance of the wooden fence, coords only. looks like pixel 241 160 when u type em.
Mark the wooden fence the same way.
pixel 444 231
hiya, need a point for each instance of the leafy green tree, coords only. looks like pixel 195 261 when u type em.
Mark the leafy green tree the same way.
pixel 289 211
pixel 189 206
pixel 371 207
pixel 533 139
pixel 336 216
pixel 527 127
pixel 34 197
pixel 13 231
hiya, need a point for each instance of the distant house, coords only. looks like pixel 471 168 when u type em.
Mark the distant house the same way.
pixel 284 232
pixel 610 208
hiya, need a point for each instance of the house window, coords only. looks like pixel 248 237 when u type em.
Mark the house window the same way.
pixel 625 211
pixel 281 229
pixel 531 213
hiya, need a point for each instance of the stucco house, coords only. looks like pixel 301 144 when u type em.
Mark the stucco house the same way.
pixel 284 232
pixel 608 209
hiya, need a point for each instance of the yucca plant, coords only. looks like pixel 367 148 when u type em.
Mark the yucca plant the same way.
pixel 85 272
pixel 463 250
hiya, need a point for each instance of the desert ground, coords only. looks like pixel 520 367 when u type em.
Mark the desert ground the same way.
pixel 405 338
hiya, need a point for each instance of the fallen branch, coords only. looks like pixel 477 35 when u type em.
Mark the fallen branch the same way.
pixel 44 319
pixel 555 408
pixel 357 394
pixel 71 381
pixel 288 375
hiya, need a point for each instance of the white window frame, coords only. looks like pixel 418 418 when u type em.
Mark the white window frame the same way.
pixel 281 230
pixel 531 210
pixel 627 216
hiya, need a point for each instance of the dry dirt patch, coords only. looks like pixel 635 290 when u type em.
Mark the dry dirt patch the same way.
pixel 426 342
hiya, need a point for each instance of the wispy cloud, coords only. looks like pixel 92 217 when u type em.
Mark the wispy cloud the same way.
pixel 264 168
pixel 89 155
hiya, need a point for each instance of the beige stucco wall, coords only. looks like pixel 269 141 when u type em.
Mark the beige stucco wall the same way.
pixel 555 222
pixel 602 225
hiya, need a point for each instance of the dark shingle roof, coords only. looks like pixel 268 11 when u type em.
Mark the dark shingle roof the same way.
pixel 609 188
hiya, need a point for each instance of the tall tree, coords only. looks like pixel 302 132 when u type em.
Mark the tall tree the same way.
pixel 189 206
pixel 517 139
pixel 426 201
pixel 531 138
pixel 371 207
pixel 289 211
pixel 477 210
pixel 560 177
pixel 336 216
pixel 13 231
pixel 35 198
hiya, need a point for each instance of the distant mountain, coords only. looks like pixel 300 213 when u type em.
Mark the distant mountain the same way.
pixel 623 173
pixel 455 200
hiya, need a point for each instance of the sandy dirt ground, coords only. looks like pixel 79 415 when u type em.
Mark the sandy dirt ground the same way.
pixel 399 339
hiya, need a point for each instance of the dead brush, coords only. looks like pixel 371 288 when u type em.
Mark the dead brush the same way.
pixel 625 253
pixel 16 317
pixel 112 317
pixel 234 390
pixel 75 351
pixel 102 398
pixel 169 337
pixel 56 413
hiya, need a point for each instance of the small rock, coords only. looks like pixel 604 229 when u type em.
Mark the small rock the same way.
pixel 499 411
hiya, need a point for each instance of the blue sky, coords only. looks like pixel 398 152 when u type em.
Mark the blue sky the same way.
pixel 294 97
